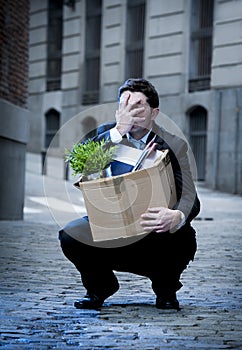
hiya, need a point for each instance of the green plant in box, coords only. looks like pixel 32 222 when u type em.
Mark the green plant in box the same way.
pixel 90 157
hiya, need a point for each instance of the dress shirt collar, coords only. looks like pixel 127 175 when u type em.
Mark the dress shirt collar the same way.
pixel 143 139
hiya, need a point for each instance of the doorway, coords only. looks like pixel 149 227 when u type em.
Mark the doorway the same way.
pixel 198 139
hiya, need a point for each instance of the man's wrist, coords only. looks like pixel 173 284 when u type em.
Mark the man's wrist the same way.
pixel 182 222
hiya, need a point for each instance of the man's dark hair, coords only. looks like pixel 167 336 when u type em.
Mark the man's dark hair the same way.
pixel 144 86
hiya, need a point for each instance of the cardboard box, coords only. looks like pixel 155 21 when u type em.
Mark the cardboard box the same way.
pixel 114 204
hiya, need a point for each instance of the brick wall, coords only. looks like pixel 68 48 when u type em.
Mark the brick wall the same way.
pixel 14 19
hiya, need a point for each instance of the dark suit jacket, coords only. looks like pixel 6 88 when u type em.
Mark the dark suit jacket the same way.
pixel 187 200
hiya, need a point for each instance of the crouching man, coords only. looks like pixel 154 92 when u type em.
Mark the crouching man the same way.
pixel 170 243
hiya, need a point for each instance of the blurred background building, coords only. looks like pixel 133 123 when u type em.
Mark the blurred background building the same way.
pixel 81 51
pixel 14 117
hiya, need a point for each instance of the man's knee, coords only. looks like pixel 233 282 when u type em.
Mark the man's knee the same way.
pixel 70 247
pixel 65 239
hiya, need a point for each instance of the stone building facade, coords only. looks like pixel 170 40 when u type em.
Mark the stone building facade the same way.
pixel 81 52
pixel 14 46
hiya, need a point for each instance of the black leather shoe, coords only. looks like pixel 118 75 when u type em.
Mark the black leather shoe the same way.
pixel 90 301
pixel 93 301
pixel 167 302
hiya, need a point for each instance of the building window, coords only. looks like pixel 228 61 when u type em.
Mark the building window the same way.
pixel 92 52
pixel 54 44
pixel 135 38
pixel 201 44
pixel 198 139
pixel 52 125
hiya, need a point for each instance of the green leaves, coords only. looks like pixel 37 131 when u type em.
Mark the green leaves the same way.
pixel 90 157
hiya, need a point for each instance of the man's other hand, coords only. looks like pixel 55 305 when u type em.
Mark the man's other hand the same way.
pixel 160 219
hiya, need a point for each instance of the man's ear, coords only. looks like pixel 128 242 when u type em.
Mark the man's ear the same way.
pixel 154 114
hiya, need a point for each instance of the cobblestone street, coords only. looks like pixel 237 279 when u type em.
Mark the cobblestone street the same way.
pixel 39 286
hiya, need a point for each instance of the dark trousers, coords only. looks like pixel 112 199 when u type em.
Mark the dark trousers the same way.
pixel 161 257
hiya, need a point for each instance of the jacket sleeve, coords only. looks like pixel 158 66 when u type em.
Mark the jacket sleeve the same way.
pixel 103 132
pixel 187 199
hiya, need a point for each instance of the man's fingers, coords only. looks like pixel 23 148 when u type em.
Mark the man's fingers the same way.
pixel 134 112
pixel 153 213
pixel 157 229
pixel 128 106
pixel 156 219
pixel 149 216
pixel 154 209
pixel 125 96
pixel 124 100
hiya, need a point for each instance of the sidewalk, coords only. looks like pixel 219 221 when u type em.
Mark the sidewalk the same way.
pixel 39 285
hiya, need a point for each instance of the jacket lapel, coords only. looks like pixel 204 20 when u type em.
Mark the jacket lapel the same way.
pixel 156 130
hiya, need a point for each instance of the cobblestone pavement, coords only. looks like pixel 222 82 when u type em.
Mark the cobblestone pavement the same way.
pixel 39 286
